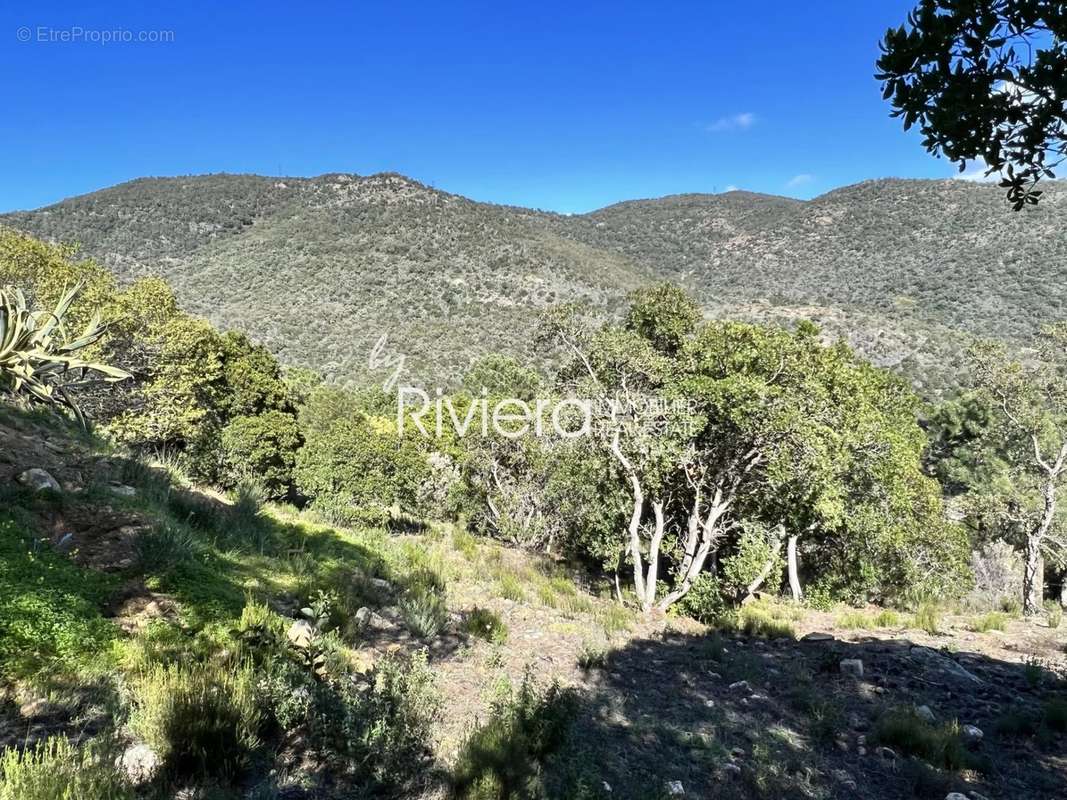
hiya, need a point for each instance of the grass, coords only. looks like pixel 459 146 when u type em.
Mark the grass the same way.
pixel 1053 614
pixel 765 621
pixel 927 618
pixel 49 608
pixel 510 587
pixel 859 620
pixel 938 745
pixel 485 624
pixel 993 621
pixel 592 656
pixel 54 769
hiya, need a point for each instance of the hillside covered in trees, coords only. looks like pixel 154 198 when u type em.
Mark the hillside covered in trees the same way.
pixel 319 269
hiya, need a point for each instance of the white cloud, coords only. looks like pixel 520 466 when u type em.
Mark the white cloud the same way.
pixel 976 173
pixel 734 122
pixel 731 188
pixel 802 179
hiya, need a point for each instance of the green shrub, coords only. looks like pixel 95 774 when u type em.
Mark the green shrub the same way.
pixel 755 621
pixel 927 618
pixel 164 547
pixel 54 769
pixel 486 624
pixel 705 601
pixel 938 745
pixel 264 446
pixel 592 656
pixel 511 587
pixel 503 758
pixel 202 722
pixel 423 605
pixel 380 730
pixel 993 621
pixel 1054 613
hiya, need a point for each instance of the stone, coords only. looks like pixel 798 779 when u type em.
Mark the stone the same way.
pixel 971 734
pixel 956 796
pixel 852 666
pixel 675 789
pixel 367 619
pixel 301 633
pixel 606 787
pixel 39 480
pixel 731 769
pixel 381 584
pixel 139 763
pixel 933 659
pixel 741 686
pixel 925 714
pixel 817 636
pixel 845 779
pixel 122 490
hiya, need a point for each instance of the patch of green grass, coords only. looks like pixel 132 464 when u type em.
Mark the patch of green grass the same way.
pixel 927 618
pixel 755 621
pixel 592 656
pixel 1053 614
pixel 614 618
pixel 938 745
pixel 486 624
pixel 510 587
pixel 54 769
pixel 49 607
pixel 993 621
pixel 464 542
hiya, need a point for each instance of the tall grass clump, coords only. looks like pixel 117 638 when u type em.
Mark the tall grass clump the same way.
pixel 54 769
pixel 993 621
pixel 505 756
pixel 423 605
pixel 201 722
pixel 938 745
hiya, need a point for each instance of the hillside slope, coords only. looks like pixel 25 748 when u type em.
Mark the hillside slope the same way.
pixel 321 268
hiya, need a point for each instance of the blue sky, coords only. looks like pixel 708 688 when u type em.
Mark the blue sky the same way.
pixel 566 106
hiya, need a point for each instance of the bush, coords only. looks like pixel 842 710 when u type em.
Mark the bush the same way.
pixel 993 621
pixel 486 624
pixel 201 722
pixel 705 601
pixel 998 575
pixel 54 769
pixel 164 547
pixel 503 759
pixel 938 745
pixel 381 730
pixel 263 446
pixel 927 618
pixel 423 605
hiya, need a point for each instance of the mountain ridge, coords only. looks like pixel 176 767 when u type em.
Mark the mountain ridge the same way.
pixel 320 268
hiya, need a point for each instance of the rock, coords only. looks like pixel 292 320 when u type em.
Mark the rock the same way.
pixel 845 779
pixel 741 687
pixel 731 769
pixel 977 796
pixel 852 666
pixel 140 763
pixel 301 633
pixel 381 584
pixel 956 796
pixel 367 619
pixel 122 490
pixel 816 636
pixel 925 714
pixel 934 660
pixel 66 541
pixel 38 480
pixel 606 787
pixel 675 789
pixel 971 734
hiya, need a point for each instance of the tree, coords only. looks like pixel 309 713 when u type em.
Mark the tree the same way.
pixel 1030 400
pixel 261 448
pixel 985 80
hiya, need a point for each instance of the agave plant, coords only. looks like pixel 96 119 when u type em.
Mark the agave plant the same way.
pixel 39 360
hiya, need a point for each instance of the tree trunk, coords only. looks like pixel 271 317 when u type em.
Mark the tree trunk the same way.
pixel 753 587
pixel 1033 588
pixel 794 576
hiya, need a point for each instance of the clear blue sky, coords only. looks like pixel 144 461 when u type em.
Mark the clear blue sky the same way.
pixel 558 105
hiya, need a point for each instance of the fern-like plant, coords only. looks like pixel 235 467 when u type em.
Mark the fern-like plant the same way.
pixel 39 360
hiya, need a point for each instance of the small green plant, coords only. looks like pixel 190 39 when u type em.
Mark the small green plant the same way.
pixel 202 722
pixel 486 624
pixel 503 758
pixel 927 618
pixel 614 618
pixel 464 542
pixel 165 547
pixel 511 587
pixel 887 618
pixel 756 621
pixel 993 621
pixel 423 605
pixel 938 745
pixel 854 620
pixel 53 769
pixel 1054 614
pixel 592 656
pixel 38 357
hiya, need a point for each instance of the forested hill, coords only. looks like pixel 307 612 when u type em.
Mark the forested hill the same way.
pixel 320 268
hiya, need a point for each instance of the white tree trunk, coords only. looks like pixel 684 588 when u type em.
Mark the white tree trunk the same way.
pixel 794 574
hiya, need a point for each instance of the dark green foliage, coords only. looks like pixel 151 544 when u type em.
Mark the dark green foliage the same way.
pixel 262 448
pixel 503 758
pixel 985 82
pixel 485 624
